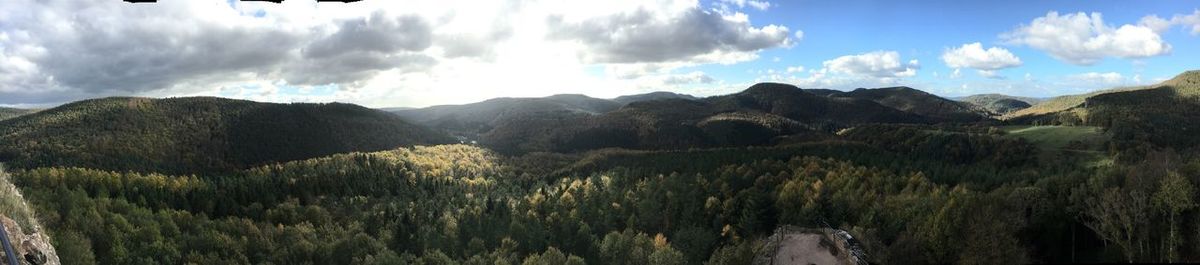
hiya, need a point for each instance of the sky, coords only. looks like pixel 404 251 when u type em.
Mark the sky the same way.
pixel 421 53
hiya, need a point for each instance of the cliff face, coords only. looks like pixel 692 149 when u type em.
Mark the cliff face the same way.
pixel 32 247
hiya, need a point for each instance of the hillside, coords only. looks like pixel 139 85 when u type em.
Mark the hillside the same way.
pixel 999 104
pixel 918 102
pixel 9 113
pixel 755 116
pixel 652 96
pixel 183 135
pixel 469 120
pixel 1063 103
pixel 1163 114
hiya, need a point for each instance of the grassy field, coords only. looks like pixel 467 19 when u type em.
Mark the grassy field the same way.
pixel 1059 138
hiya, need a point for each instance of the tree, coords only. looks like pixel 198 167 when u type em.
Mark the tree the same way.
pixel 553 256
pixel 1175 196
pixel 1118 216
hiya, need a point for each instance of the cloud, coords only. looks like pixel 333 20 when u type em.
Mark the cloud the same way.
pixel 94 48
pixel 990 74
pixel 689 78
pixel 1192 21
pixel 378 34
pixel 1084 39
pixel 1108 79
pixel 647 36
pixel 760 5
pixel 879 64
pixel 445 52
pixel 972 55
pixel 362 47
pixel 872 69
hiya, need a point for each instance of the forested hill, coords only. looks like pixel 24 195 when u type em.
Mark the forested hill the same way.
pixel 1163 115
pixel 998 104
pixel 199 134
pixel 918 102
pixel 757 116
pixel 9 113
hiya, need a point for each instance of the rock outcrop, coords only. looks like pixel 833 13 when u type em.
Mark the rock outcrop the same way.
pixel 32 247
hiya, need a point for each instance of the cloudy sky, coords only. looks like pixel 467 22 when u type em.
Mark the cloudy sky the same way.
pixel 420 53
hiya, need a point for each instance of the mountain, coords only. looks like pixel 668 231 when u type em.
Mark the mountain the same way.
pixel 756 116
pixel 469 120
pixel 9 113
pixel 998 104
pixel 652 96
pixel 183 135
pixel 1066 102
pixel 917 102
pixel 1164 114
pixel 823 92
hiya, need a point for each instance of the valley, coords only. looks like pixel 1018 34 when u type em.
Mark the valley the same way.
pixel 569 179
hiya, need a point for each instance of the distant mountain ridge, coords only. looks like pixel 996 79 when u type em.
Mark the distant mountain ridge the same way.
pixel 998 104
pixel 183 135
pixel 919 102
pixel 1166 114
pixel 9 113
pixel 652 96
pixel 758 115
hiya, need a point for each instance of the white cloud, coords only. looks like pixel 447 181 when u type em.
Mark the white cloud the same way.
pixel 972 55
pixel 1084 39
pixel 688 78
pixel 990 74
pixel 376 53
pixel 1155 23
pixel 872 69
pixel 1108 79
pixel 1192 21
pixel 760 5
pixel 879 64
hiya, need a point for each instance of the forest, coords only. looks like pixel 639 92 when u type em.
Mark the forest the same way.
pixel 210 181
pixel 462 204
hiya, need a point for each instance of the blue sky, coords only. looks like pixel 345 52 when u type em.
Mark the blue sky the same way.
pixel 427 52
pixel 923 30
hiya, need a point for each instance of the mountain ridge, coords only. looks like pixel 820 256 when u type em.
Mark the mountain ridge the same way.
pixel 182 135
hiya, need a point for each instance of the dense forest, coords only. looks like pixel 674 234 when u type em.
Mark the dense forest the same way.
pixel 212 181
pixel 463 204
pixel 184 135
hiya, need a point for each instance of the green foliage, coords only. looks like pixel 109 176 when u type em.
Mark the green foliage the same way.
pixel 13 205
pixel 195 135
pixel 9 113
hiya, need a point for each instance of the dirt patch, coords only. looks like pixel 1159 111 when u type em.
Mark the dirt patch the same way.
pixel 805 249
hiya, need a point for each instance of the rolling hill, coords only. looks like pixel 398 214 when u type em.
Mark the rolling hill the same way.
pixel 756 116
pixel 469 120
pixel 998 104
pixel 9 113
pixel 1163 114
pixel 1063 103
pixel 652 96
pixel 184 135
pixel 918 102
